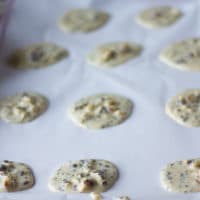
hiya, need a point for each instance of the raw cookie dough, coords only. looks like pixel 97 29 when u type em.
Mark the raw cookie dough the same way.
pixel 113 54
pixel 181 176
pixel 15 176
pixel 23 107
pixel 158 17
pixel 83 20
pixel 101 111
pixel 37 56
pixel 183 55
pixel 184 108
pixel 84 176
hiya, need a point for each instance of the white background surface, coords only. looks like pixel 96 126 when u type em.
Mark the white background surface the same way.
pixel 140 146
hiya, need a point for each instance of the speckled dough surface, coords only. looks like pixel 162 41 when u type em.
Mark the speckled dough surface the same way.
pixel 181 176
pixel 84 176
pixel 184 108
pixel 37 56
pixel 23 107
pixel 101 111
pixel 15 176
pixel 183 55
pixel 158 17
pixel 83 20
pixel 113 54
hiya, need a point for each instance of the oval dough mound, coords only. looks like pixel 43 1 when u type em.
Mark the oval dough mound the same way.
pixel 15 176
pixel 23 107
pixel 113 54
pixel 37 56
pixel 181 176
pixel 101 111
pixel 158 17
pixel 184 108
pixel 84 176
pixel 83 20
pixel 183 55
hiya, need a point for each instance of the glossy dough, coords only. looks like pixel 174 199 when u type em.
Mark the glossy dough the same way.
pixel 101 111
pixel 23 107
pixel 37 56
pixel 181 176
pixel 158 17
pixel 84 176
pixel 183 55
pixel 113 54
pixel 184 108
pixel 83 20
pixel 15 176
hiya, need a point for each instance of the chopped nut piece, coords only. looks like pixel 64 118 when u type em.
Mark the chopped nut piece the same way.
pixel 86 185
pixel 108 55
pixel 96 196
pixel 125 48
pixel 123 198
pixel 195 164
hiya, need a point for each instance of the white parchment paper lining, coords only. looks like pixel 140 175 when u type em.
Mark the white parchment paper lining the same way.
pixel 140 146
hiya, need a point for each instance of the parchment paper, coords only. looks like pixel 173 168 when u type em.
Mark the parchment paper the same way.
pixel 142 145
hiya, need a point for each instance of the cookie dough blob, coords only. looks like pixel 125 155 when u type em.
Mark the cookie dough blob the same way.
pixel 101 111
pixel 158 17
pixel 37 56
pixel 183 55
pixel 184 108
pixel 15 176
pixel 84 176
pixel 113 54
pixel 83 20
pixel 22 107
pixel 181 176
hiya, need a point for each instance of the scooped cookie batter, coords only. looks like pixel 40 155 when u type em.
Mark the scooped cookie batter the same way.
pixel 101 111
pixel 84 176
pixel 183 55
pixel 113 54
pixel 37 56
pixel 158 17
pixel 23 107
pixel 182 176
pixel 83 20
pixel 15 176
pixel 184 108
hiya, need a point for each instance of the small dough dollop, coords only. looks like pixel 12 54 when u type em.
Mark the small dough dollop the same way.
pixel 183 55
pixel 113 54
pixel 181 176
pixel 101 111
pixel 184 108
pixel 83 20
pixel 158 17
pixel 37 56
pixel 22 107
pixel 84 176
pixel 15 176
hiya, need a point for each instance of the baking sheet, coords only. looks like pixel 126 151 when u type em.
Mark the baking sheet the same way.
pixel 142 145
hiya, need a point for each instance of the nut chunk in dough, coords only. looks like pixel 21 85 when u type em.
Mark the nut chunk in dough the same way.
pixel 37 56
pixel 23 107
pixel 183 55
pixel 83 20
pixel 113 54
pixel 158 17
pixel 184 108
pixel 101 111
pixel 181 176
pixel 15 176
pixel 84 176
